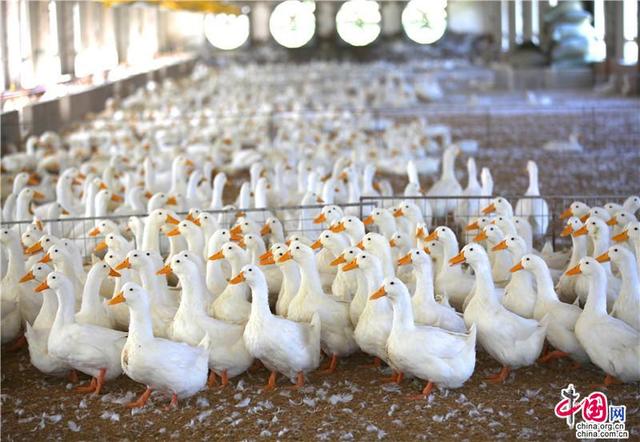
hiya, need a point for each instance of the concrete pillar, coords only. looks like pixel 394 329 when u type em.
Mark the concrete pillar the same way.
pixel 259 16
pixel 66 51
pixel 527 31
pixel 121 29
pixel 512 24
pixel 326 19
pixel 391 18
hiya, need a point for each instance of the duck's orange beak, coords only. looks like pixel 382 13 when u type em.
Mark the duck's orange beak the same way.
pixel 113 273
pixel 584 217
pixel 27 277
pixel 38 196
pixel 236 230
pixel 317 244
pixel 165 270
pixel 172 201
pixel 197 222
pixel 489 209
pixel 378 293
pixel 148 194
pixel 339 260
pixel 458 259
pixel 173 232
pixel 433 236
pixel 319 219
pixel 33 180
pixel 42 286
pixel 45 259
pixel 502 245
pixel 267 259
pixel 216 256
pixel 117 299
pixel 337 228
pixel 427 251
pixel 368 220
pixel 286 257
pixel 189 217
pixel 102 245
pixel 35 248
pixel 124 265
pixel 604 257
pixel 94 232
pixel 420 233
pixel 116 198
pixel 621 237
pixel 581 231
pixel 319 200
pixel 480 236
pixel 568 230
pixel 171 220
pixel 472 226
pixel 393 243
pixel 406 259
pixel 567 213
pixel 360 245
pixel 398 213
pixel 516 268
pixel 237 279
pixel 612 221
pixel 350 266
pixel 102 186
pixel 267 254
pixel 266 229
pixel 574 270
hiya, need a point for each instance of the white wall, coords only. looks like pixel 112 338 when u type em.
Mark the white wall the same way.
pixel 477 17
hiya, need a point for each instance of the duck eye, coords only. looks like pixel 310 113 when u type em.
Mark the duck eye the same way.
pixel 230 248
pixel 471 249
pixel 130 289
pixel 348 221
pixel 250 270
pixel 178 261
pixel 53 277
pixel 297 248
pixel 615 250
pixel 135 256
pixel 392 283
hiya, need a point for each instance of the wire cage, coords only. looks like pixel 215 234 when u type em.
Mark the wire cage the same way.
pixel 294 219
pixel 457 212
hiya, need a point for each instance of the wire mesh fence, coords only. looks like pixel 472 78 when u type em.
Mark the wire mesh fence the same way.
pixel 294 220
pixel 457 212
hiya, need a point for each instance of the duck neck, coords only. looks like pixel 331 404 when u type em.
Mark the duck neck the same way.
pixel 90 196
pixel 544 283
pixel 290 276
pixel 66 306
pixel 256 251
pixel 15 267
pixel 600 246
pixel 387 227
pixel 259 300
pixel 237 262
pixel 193 291
pixel 402 314
pixel 151 237
pixel 629 272
pixel 448 163
pixel 310 278
pixel 373 276
pixel 195 241
pixel 424 282
pixel 579 249
pixel 533 189
pixel 22 208
pixel 597 297
pixel 91 298
pixel 140 326
pixel 484 281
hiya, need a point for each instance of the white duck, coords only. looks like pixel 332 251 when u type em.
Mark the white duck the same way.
pixel 519 293
pixel 352 226
pixel 37 334
pixel 501 262
pixel 611 344
pixel 447 185
pixel 217 273
pixel 571 288
pixel 562 316
pixel 384 220
pixel 90 349
pixel 163 365
pixel 359 299
pixel 598 231
pixel 451 282
pixel 510 339
pixel 93 308
pixel 627 305
pixel 228 356
pixel 344 285
pixel 534 209
pixel 337 333
pixel 631 233
pixel 429 353
pixel 290 276
pixel 426 310
pixel 232 304
pixel 284 346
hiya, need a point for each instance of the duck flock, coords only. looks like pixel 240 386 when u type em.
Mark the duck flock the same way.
pixel 182 291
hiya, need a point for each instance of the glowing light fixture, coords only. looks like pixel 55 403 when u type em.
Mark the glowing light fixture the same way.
pixel 226 31
pixel 358 22
pixel 293 23
pixel 424 21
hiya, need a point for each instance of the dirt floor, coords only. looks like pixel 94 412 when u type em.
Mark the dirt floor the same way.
pixel 352 404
